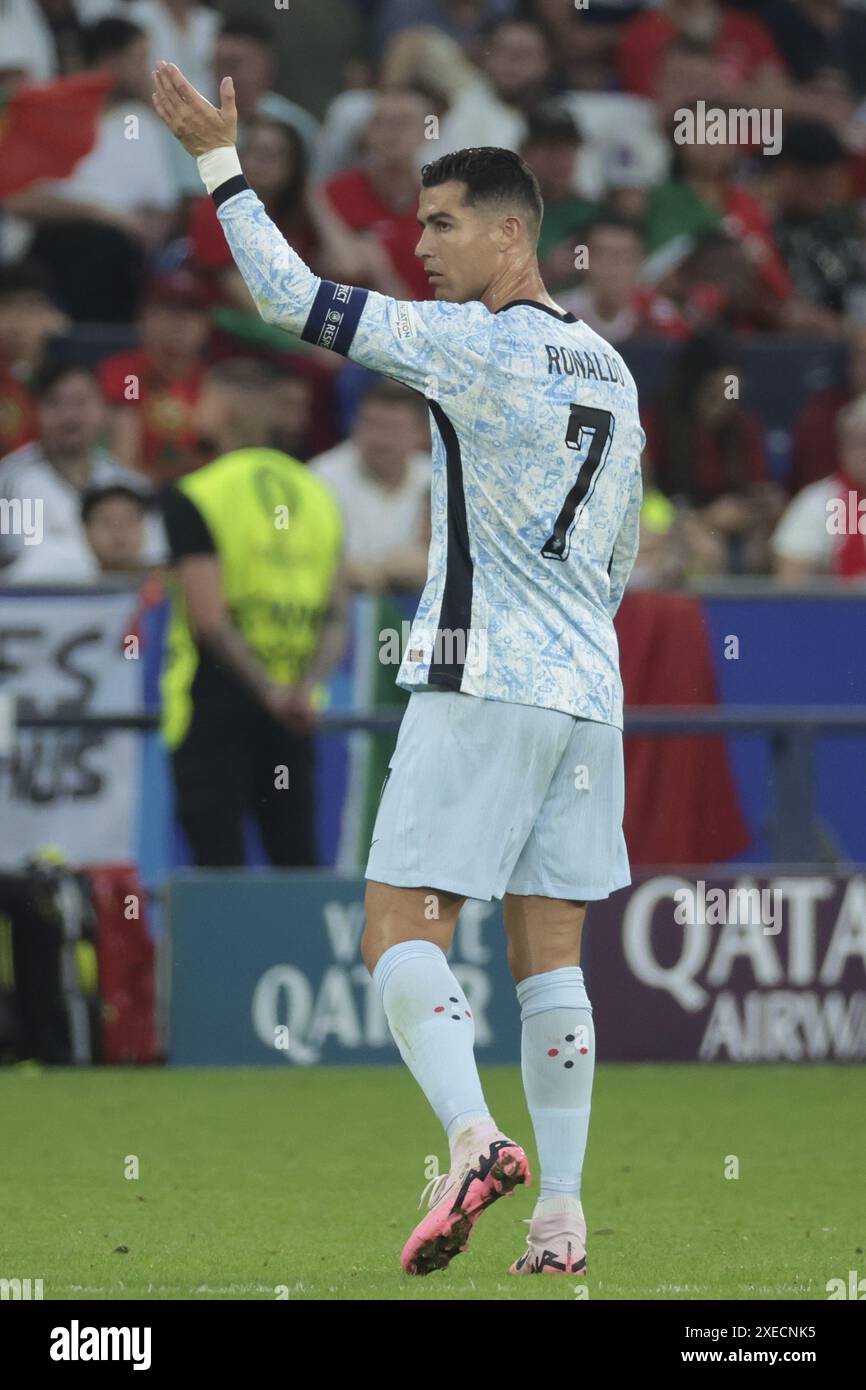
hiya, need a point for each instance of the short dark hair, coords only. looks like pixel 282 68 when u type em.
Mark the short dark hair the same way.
pixel 53 371
pixel 239 27
pixel 25 277
pixel 607 218
pixel 491 175
pixel 551 124
pixel 491 28
pixel 808 144
pixel 107 37
pixel 95 496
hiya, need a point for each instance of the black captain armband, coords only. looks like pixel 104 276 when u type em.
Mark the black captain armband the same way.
pixel 236 184
pixel 333 319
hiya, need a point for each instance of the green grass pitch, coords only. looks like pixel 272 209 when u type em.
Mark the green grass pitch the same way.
pixel 252 1181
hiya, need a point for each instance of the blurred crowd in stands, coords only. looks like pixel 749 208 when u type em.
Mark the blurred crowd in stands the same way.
pixel 728 269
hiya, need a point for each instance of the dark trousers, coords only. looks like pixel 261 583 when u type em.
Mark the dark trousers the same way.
pixel 232 766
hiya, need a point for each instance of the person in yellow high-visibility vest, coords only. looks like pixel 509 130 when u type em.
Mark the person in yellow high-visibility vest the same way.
pixel 258 622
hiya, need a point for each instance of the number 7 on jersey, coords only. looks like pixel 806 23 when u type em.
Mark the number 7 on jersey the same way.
pixel 599 425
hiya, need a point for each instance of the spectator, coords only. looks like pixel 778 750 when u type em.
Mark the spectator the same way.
pixel 257 623
pixel 823 530
pixel 28 320
pixel 687 70
pixel 318 49
pixel 381 479
pixel 551 148
pixel 585 41
pixel 701 196
pixel 182 32
pixel 152 391
pixel 245 52
pixel 95 228
pixel 379 199
pixel 747 65
pixel 831 96
pixel 49 476
pixel 706 452
pixel 27 51
pixel 659 563
pixel 673 546
pixel 821 234
pixel 626 186
pixel 715 286
pixel 619 133
pixel 292 422
pixel 456 92
pixel 815 451
pixel 275 166
pixel 114 518
pixel 65 21
pixel 516 59
pixel 515 63
pixel 611 299
pixel 461 20
pixel 487 105
pixel 423 60
pixel 481 105
pixel 812 35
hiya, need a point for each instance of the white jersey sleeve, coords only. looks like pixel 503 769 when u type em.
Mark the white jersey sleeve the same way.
pixel 420 344
pixel 536 486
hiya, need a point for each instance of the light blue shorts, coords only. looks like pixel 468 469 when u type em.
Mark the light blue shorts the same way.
pixel 483 798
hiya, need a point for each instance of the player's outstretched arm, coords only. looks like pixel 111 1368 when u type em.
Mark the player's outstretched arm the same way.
pixel 190 117
pixel 281 285
pixel 425 345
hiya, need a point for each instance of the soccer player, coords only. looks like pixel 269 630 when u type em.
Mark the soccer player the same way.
pixel 507 777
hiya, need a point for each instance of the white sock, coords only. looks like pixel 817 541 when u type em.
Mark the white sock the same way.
pixel 557 1062
pixel 432 1026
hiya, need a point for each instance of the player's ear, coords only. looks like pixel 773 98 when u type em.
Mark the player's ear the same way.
pixel 511 230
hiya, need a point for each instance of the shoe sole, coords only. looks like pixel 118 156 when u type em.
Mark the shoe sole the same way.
pixel 437 1248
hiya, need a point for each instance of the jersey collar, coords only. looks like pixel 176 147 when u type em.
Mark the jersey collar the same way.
pixel 545 309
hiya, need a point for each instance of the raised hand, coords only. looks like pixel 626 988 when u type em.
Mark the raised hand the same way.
pixel 190 117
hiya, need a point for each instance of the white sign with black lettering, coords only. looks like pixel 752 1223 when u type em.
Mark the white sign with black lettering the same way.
pixel 71 788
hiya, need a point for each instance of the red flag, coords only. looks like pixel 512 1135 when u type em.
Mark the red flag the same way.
pixel 47 127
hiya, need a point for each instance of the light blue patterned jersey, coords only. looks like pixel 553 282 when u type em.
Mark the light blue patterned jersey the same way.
pixel 536 473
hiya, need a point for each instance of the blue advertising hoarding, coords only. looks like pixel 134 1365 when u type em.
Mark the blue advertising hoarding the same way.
pixel 266 971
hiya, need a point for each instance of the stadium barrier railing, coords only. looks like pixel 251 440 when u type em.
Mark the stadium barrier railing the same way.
pixel 793 733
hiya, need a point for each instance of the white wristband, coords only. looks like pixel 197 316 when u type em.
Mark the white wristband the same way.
pixel 218 165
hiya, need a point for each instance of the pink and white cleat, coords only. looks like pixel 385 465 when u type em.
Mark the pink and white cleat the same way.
pixel 556 1243
pixel 486 1165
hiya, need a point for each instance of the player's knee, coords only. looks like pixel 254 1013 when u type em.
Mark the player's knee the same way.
pixel 516 961
pixel 371 949
pixel 555 950
pixel 390 915
pixel 395 915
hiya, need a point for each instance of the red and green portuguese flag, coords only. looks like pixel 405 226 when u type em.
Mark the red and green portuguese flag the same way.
pixel 46 127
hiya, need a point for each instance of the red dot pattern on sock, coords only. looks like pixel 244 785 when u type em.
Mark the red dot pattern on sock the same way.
pixel 554 1051
pixel 440 1009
